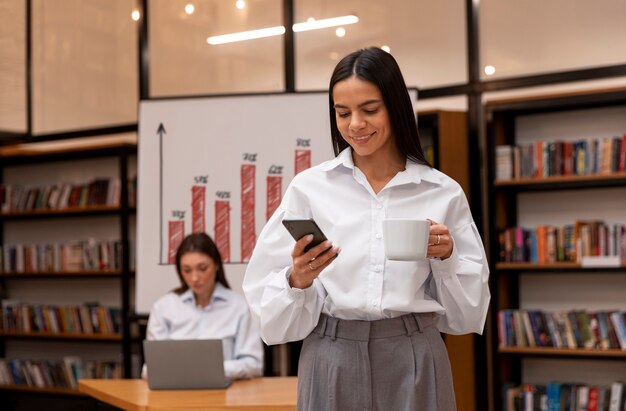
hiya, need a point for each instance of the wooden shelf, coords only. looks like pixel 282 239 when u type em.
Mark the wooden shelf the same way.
pixel 62 336
pixel 64 212
pixel 41 390
pixel 547 103
pixel 117 152
pixel 86 145
pixel 563 182
pixel 521 121
pixel 87 274
pixel 548 351
pixel 559 266
pixel 561 179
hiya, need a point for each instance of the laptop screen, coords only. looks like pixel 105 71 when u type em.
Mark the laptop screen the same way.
pixel 185 364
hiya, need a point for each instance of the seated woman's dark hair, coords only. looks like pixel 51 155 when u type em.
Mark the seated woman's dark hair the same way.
pixel 200 243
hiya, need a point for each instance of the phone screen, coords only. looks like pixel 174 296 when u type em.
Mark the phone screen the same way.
pixel 300 228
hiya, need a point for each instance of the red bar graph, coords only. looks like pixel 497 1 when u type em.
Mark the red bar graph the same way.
pixel 176 233
pixel 198 195
pixel 222 228
pixel 248 234
pixel 303 161
pixel 274 193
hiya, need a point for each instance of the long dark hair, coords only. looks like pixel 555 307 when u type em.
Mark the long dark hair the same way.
pixel 199 243
pixel 381 69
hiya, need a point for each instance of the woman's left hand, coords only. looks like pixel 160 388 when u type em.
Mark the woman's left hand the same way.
pixel 440 241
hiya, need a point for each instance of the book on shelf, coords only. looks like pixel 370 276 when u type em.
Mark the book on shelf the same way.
pixel 595 261
pixel 617 397
pixel 63 373
pixel 539 329
pixel 592 243
pixel 73 256
pixel 591 330
pixel 618 321
pixel 86 319
pixel 101 191
pixel 546 158
pixel 592 399
pixel 504 162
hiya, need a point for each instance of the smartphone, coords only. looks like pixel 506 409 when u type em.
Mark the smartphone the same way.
pixel 300 228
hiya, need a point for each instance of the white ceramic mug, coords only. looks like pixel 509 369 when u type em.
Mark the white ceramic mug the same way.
pixel 406 239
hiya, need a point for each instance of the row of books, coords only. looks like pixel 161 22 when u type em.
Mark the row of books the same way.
pixel 548 243
pixel 564 396
pixel 88 319
pixel 562 329
pixel 545 158
pixel 61 374
pixel 86 255
pixel 15 198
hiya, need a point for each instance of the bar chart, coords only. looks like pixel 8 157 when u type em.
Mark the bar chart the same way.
pixel 221 166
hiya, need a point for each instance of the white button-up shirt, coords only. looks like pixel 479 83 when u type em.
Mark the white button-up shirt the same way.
pixel 177 317
pixel 361 284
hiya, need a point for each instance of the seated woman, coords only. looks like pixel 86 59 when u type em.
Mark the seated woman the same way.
pixel 204 307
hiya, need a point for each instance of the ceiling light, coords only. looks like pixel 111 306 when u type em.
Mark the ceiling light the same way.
pixel 240 4
pixel 246 35
pixel 340 32
pixel 321 24
pixel 189 8
pixel 135 15
pixel 489 70
pixel 386 48
pixel 310 24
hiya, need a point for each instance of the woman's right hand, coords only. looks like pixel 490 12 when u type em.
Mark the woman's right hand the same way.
pixel 307 266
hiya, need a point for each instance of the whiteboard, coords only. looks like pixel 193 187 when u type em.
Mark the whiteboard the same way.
pixel 199 157
pixel 218 164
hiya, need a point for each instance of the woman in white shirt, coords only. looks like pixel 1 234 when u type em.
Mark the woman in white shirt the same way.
pixel 371 326
pixel 204 307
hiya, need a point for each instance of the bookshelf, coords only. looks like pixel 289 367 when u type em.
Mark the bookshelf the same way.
pixel 573 188
pixel 444 138
pixel 94 290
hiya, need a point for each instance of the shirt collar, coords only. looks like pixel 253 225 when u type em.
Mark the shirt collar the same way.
pixel 414 172
pixel 220 293
pixel 343 159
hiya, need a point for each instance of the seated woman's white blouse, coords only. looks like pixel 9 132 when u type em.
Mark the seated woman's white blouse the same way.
pixel 177 317
pixel 361 284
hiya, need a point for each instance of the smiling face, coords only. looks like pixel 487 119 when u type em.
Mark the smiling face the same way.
pixel 199 271
pixel 362 119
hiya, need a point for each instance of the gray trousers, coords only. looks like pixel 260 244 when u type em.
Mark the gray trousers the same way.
pixel 385 365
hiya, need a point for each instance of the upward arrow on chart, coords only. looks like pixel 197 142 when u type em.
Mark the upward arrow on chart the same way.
pixel 160 132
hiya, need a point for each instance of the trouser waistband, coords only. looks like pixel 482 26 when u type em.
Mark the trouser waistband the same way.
pixel 365 330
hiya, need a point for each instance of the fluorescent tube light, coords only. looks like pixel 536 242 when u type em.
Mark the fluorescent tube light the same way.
pixel 279 30
pixel 322 24
pixel 247 35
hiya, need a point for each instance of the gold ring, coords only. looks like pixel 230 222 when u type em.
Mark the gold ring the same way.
pixel 311 267
pixel 438 239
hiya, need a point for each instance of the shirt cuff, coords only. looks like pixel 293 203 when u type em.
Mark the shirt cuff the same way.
pixel 295 293
pixel 447 268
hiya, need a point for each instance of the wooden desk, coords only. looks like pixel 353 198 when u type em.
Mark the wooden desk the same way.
pixel 259 394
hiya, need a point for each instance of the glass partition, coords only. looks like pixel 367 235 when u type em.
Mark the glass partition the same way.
pixel 13 66
pixel 519 38
pixel 183 63
pixel 84 59
pixel 428 38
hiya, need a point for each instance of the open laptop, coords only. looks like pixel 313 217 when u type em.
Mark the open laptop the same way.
pixel 185 364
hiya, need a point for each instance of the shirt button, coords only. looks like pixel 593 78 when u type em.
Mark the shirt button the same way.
pixel 377 268
pixel 374 303
pixel 379 206
pixel 379 236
